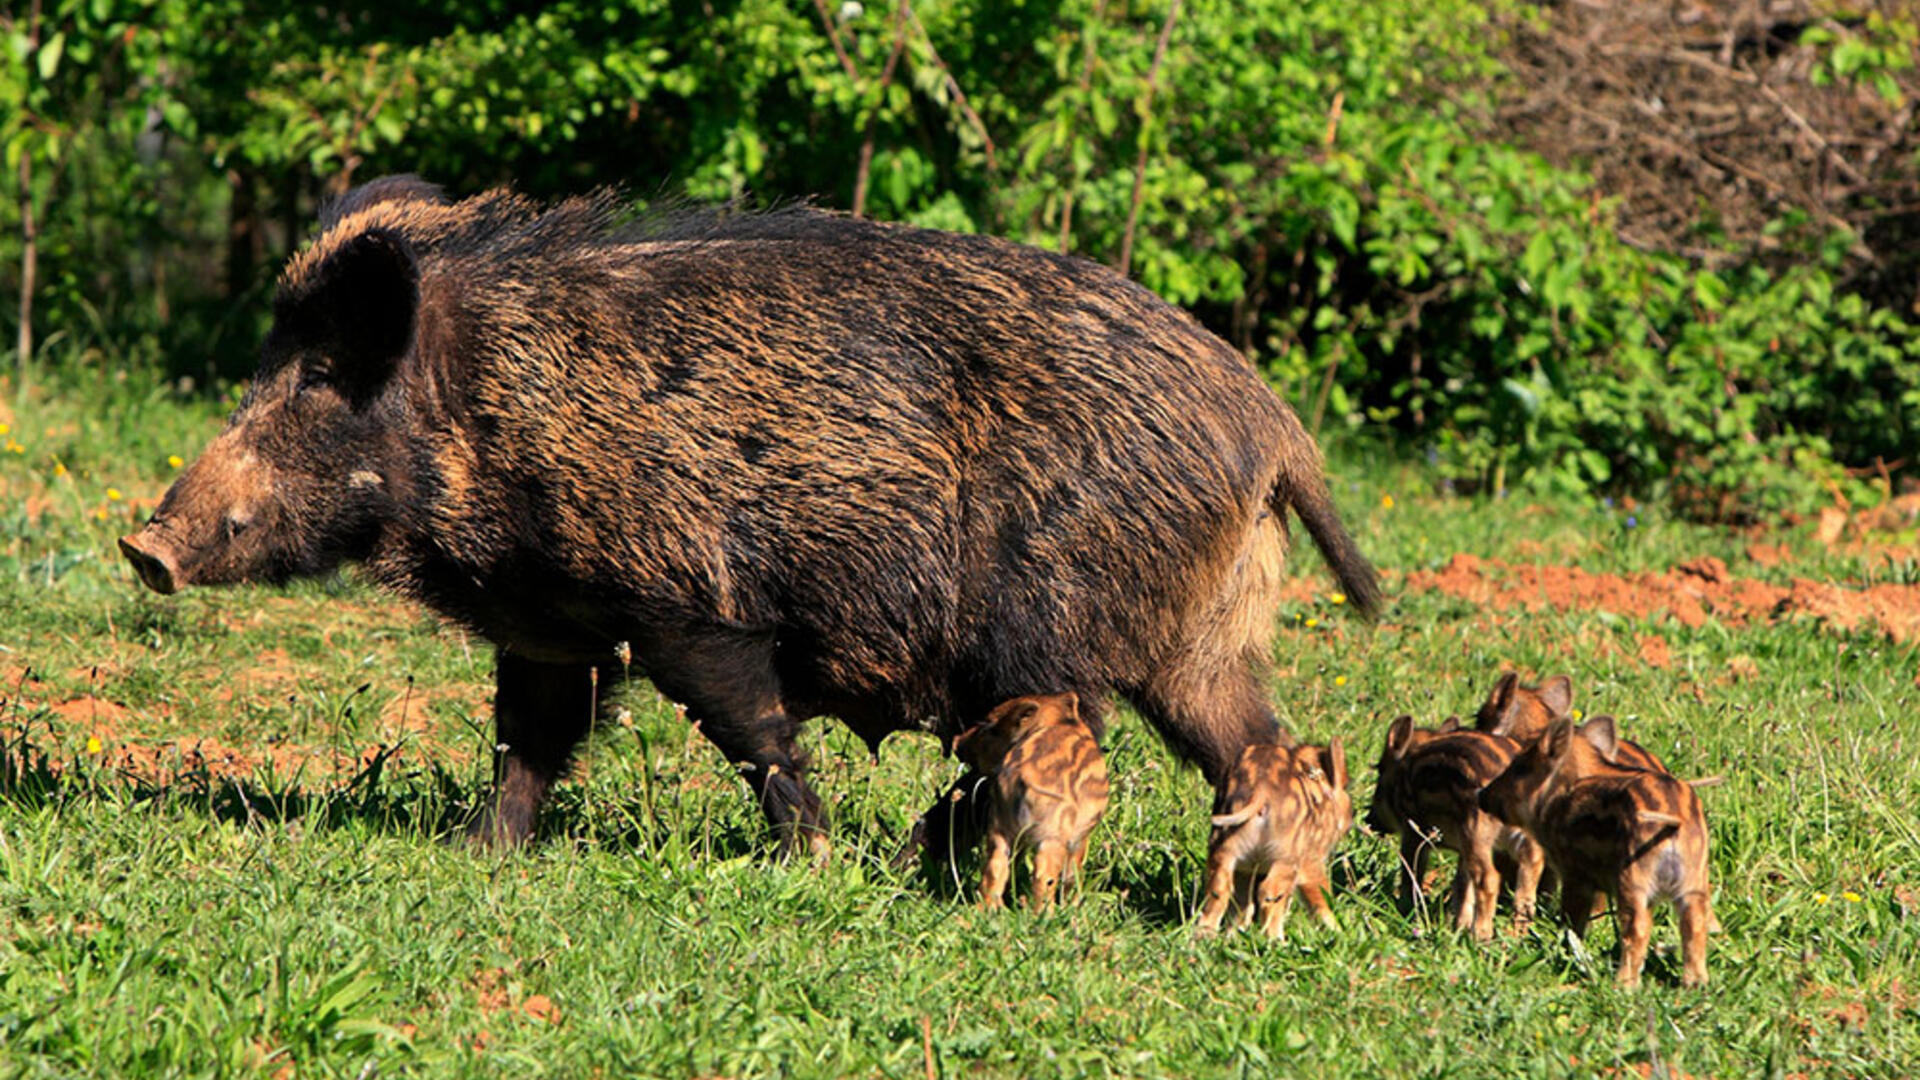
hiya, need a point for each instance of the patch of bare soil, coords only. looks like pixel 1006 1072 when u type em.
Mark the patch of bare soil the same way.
pixel 496 991
pixel 410 712
pixel 1690 593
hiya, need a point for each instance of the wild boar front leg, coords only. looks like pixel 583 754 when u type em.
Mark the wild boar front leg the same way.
pixel 1276 895
pixel 998 870
pixel 1220 882
pixel 1313 889
pixel 1480 880
pixel 953 824
pixel 1529 865
pixel 1576 905
pixel 540 713
pixel 1076 857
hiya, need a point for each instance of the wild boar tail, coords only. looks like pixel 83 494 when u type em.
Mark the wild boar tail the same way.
pixel 1304 488
pixel 1254 807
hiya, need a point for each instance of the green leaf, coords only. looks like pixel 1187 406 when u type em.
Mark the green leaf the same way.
pixel 1538 257
pixel 49 56
pixel 1343 215
pixel 1523 394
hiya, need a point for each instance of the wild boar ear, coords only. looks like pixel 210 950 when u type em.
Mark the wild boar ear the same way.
pixel 1399 735
pixel 402 187
pixel 1559 737
pixel 1601 734
pixel 1557 694
pixel 1334 763
pixel 1449 725
pixel 363 300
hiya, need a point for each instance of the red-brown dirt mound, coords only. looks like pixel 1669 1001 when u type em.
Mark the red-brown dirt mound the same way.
pixel 1690 593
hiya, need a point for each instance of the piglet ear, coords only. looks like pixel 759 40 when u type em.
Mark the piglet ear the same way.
pixel 1498 711
pixel 1503 690
pixel 1009 715
pixel 1069 704
pixel 1557 694
pixel 1399 735
pixel 1334 763
pixel 965 739
pixel 356 309
pixel 1449 725
pixel 1559 737
pixel 1602 735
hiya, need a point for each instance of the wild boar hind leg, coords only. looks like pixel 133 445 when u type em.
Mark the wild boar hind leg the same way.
pixel 725 677
pixel 540 713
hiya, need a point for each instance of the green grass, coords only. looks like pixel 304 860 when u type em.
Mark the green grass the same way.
pixel 306 909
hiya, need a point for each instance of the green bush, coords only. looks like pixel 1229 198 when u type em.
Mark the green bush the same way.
pixel 1320 185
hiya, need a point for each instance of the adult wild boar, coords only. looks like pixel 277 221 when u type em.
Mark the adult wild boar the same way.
pixel 792 464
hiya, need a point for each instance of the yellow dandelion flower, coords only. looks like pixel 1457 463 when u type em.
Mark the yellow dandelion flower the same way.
pixel 1820 898
pixel 1311 623
pixel 174 461
pixel 100 513
pixel 1386 502
pixel 93 744
pixel 59 468
pixel 6 429
pixel 1577 714
pixel 15 448
pixel 113 494
pixel 1338 598
pixel 1851 897
pixel 1339 680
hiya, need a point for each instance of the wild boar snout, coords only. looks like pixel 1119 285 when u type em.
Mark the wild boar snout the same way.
pixel 1377 821
pixel 153 559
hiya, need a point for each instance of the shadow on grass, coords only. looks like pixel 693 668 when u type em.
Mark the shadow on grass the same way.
pixel 426 801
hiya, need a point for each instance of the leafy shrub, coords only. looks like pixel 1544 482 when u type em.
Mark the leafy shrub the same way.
pixel 1320 184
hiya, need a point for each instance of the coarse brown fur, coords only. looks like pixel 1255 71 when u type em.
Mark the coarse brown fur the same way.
pixel 1428 795
pixel 786 464
pixel 1047 790
pixel 1636 835
pixel 1283 810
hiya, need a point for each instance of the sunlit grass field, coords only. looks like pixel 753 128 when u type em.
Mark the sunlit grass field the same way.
pixel 229 822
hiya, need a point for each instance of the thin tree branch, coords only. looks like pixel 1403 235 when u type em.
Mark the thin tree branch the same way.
pixel 863 174
pixel 1807 129
pixel 1089 45
pixel 1146 140
pixel 959 95
pixel 833 35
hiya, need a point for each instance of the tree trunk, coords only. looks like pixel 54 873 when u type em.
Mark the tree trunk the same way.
pixel 29 231
pixel 29 260
pixel 243 233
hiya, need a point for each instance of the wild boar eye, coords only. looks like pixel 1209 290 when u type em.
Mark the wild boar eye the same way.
pixel 310 377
